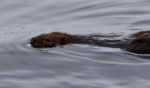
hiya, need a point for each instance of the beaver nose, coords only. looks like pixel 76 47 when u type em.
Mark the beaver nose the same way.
pixel 34 43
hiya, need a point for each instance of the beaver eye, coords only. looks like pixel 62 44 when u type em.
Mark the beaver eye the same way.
pixel 47 40
pixel 33 41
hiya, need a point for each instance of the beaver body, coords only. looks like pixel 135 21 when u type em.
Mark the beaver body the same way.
pixel 139 43
pixel 136 43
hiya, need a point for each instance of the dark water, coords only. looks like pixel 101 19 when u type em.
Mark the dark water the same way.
pixel 73 66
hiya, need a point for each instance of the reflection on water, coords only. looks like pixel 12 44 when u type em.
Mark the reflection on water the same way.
pixel 71 66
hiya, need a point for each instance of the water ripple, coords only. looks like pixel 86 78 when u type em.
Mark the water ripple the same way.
pixel 71 66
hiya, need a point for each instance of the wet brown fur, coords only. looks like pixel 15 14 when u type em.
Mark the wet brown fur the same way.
pixel 140 43
pixel 53 39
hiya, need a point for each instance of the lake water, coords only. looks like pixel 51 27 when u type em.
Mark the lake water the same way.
pixel 71 66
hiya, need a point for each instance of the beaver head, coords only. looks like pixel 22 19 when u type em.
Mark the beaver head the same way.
pixel 42 41
pixel 53 39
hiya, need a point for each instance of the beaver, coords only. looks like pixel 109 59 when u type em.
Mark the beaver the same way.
pixel 136 43
pixel 53 39
pixel 139 43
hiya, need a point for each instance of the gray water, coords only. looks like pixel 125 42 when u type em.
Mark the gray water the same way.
pixel 71 66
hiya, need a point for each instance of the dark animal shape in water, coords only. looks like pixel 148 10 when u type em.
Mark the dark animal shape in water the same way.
pixel 53 39
pixel 137 43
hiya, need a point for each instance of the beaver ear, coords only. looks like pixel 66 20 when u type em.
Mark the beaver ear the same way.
pixel 62 41
pixel 47 40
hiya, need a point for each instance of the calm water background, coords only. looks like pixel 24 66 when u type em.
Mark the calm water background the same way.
pixel 73 66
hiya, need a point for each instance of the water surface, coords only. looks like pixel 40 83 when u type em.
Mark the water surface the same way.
pixel 71 66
